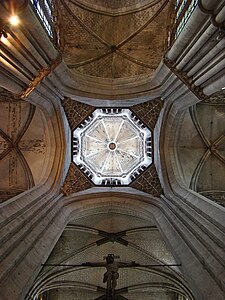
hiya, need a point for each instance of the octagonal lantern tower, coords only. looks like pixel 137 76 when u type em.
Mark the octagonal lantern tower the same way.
pixel 112 146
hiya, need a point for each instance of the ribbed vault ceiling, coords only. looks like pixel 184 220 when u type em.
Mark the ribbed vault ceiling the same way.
pixel 115 43
pixel 24 145
pixel 201 150
pixel 115 7
pixel 113 50
pixel 89 239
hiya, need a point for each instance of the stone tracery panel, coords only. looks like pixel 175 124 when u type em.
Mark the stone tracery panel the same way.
pixel 76 111
pixel 149 111
pixel 75 181
pixel 148 182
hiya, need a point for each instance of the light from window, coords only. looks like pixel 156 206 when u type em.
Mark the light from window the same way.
pixel 44 9
pixel 184 11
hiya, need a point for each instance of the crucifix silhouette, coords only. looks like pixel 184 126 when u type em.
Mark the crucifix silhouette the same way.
pixel 111 275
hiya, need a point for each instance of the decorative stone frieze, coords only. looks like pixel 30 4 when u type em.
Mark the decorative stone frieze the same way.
pixel 75 181
pixel 148 182
pixel 76 111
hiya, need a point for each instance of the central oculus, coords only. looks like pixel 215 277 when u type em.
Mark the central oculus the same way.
pixel 111 145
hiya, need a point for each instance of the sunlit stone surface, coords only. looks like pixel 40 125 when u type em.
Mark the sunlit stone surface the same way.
pixel 111 145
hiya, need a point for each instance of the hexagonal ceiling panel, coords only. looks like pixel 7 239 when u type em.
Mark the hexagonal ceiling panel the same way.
pixel 112 146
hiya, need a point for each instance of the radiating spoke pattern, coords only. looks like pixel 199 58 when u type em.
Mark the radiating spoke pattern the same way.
pixel 112 146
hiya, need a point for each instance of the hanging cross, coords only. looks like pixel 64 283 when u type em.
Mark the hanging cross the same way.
pixel 111 275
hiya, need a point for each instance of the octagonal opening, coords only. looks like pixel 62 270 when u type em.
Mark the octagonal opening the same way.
pixel 112 146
